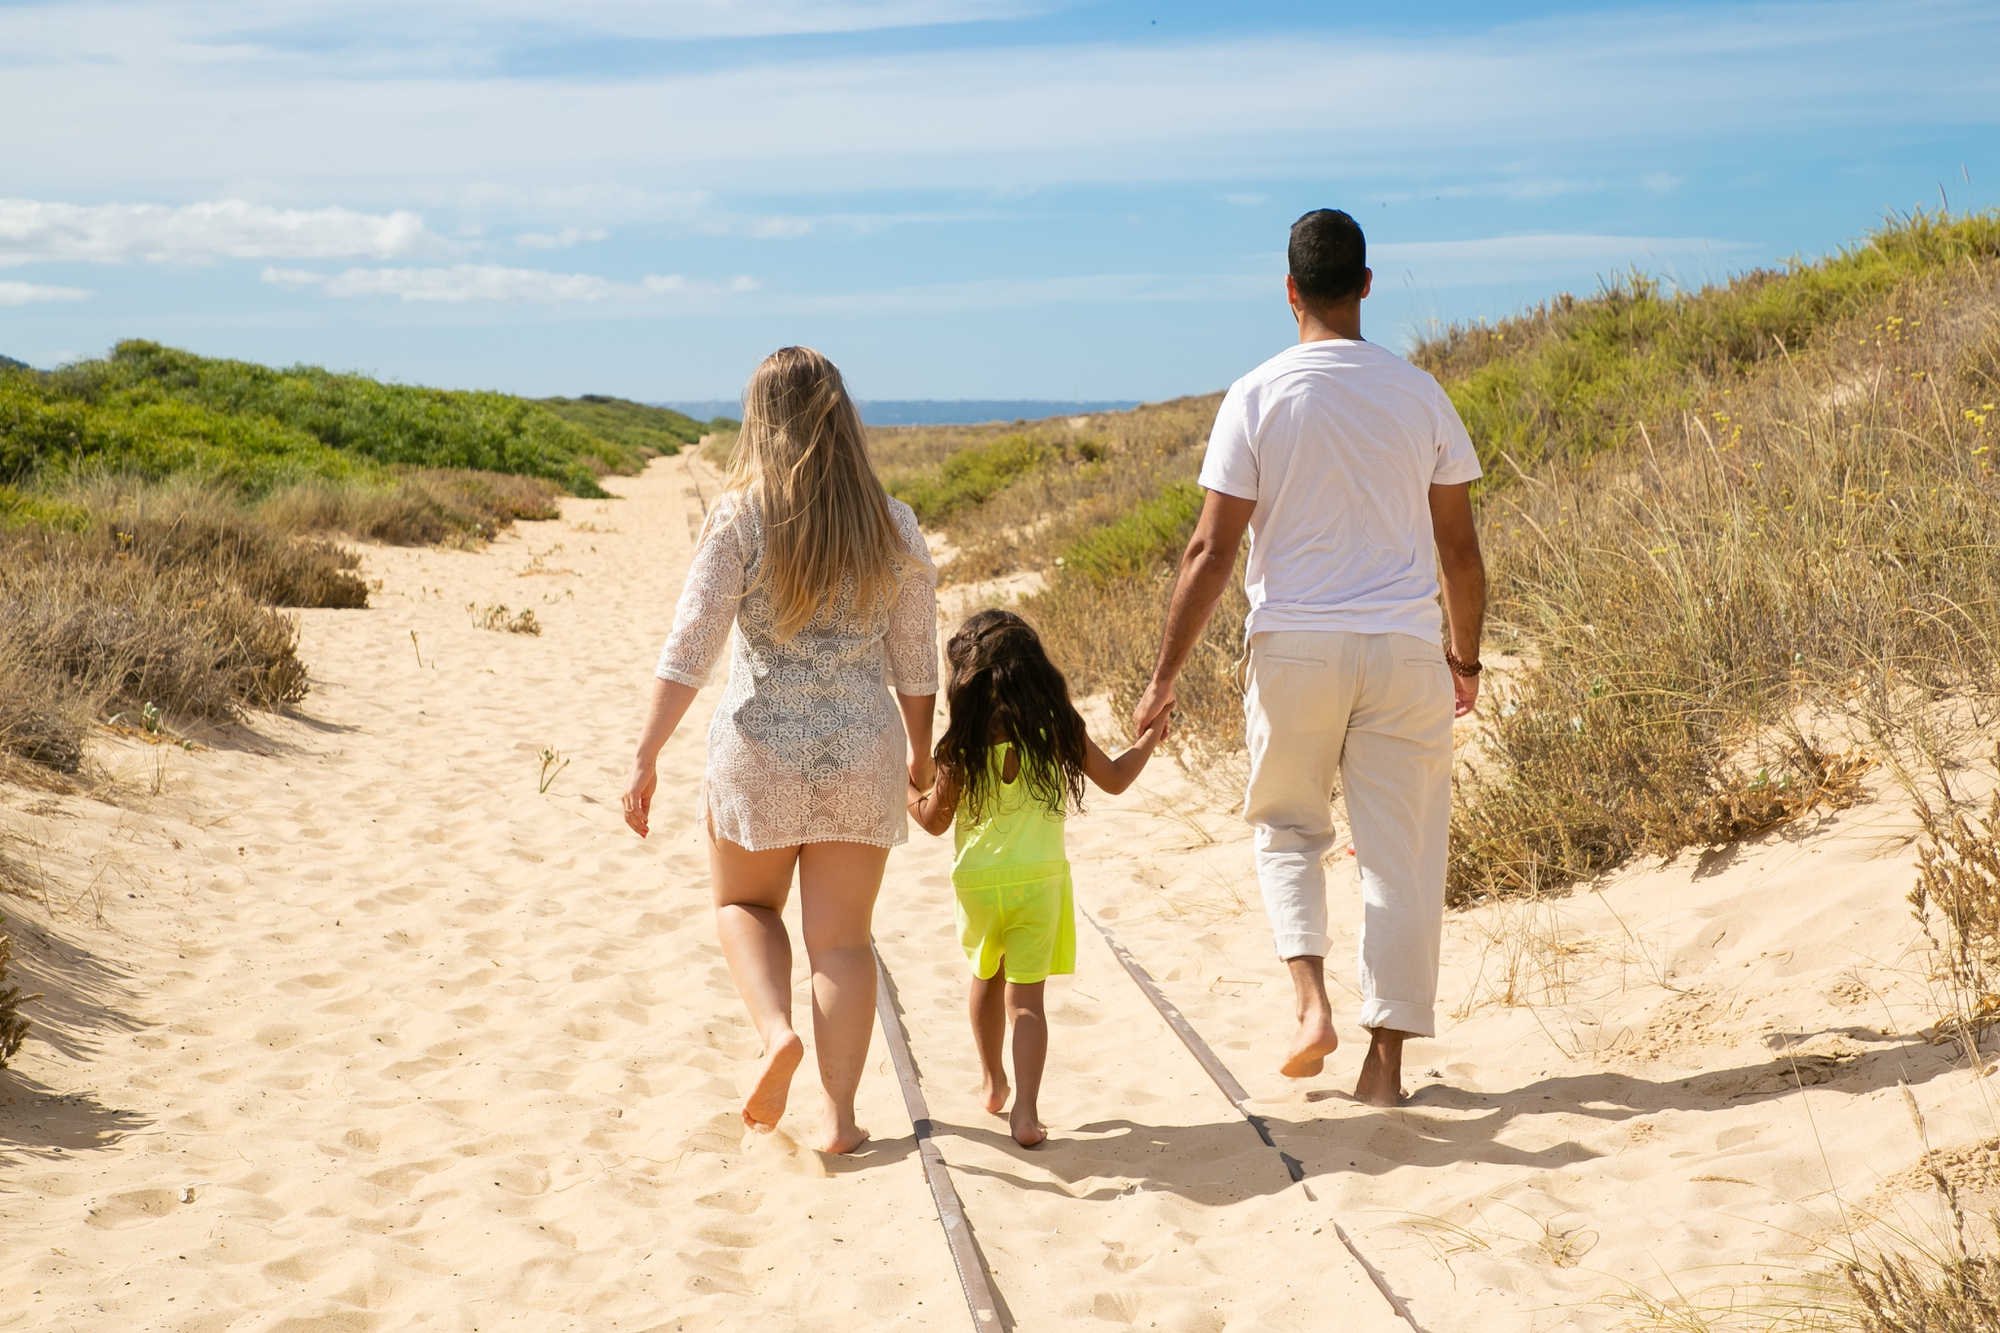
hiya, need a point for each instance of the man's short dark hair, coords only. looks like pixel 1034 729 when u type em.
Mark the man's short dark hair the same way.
pixel 1329 256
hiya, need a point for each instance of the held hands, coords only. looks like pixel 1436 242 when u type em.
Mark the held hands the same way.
pixel 638 799
pixel 1154 707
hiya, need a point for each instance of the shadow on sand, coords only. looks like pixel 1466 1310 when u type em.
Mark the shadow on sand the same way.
pixel 1224 1162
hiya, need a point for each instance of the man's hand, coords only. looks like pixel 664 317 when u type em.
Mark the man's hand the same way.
pixel 1465 693
pixel 638 800
pixel 1154 705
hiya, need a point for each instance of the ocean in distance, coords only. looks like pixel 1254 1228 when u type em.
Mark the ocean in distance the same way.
pixel 931 411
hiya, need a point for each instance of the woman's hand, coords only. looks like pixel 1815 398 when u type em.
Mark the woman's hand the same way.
pixel 923 772
pixel 638 801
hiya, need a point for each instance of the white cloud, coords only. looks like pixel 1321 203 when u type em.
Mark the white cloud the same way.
pixel 1661 182
pixel 486 24
pixel 1009 293
pixel 1520 188
pixel 493 282
pixel 1545 257
pixel 25 293
pixel 560 240
pixel 33 231
pixel 118 92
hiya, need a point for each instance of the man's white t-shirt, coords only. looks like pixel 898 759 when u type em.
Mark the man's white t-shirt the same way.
pixel 1339 443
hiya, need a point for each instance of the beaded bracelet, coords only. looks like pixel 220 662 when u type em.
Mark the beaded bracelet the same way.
pixel 1460 667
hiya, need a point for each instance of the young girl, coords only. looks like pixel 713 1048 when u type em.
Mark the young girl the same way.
pixel 1010 766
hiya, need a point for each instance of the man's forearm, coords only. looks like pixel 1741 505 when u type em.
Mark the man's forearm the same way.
pixel 1465 605
pixel 1203 577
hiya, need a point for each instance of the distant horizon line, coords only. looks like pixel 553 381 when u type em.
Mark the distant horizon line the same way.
pixel 932 411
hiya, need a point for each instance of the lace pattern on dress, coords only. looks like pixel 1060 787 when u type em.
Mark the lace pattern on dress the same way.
pixel 806 744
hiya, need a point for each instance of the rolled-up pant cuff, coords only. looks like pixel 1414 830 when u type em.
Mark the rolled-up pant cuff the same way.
pixel 1302 946
pixel 1419 1020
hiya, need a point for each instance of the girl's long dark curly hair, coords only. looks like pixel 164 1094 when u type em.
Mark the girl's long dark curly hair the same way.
pixel 1003 687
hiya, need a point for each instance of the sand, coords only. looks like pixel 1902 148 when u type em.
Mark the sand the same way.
pixel 349 1026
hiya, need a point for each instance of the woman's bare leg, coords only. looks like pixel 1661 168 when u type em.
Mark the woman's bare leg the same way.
pixel 989 1035
pixel 1031 1052
pixel 838 882
pixel 750 892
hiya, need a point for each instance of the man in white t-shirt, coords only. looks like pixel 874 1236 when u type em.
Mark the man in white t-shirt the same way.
pixel 1348 466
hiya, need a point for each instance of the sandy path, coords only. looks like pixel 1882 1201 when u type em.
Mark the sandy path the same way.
pixel 351 1028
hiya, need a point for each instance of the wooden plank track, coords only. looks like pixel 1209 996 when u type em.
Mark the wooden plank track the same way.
pixel 979 1298
pixel 1206 1057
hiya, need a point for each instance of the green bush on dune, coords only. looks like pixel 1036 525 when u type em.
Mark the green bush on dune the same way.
pixel 157 411
pixel 155 506
pixel 969 477
pixel 639 426
pixel 1575 376
pixel 1150 537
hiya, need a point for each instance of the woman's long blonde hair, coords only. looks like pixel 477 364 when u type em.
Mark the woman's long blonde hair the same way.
pixel 803 457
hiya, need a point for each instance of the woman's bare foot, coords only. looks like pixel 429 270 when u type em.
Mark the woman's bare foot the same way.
pixel 1027 1128
pixel 993 1094
pixel 765 1105
pixel 843 1139
pixel 1315 1041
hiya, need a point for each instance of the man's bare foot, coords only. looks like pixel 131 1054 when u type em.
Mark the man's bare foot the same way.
pixel 1028 1131
pixel 1381 1081
pixel 1315 1041
pixel 993 1094
pixel 765 1105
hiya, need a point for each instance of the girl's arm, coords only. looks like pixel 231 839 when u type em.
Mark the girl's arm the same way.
pixel 1115 775
pixel 933 809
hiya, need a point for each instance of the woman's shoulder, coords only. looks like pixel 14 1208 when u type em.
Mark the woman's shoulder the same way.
pixel 734 509
pixel 907 527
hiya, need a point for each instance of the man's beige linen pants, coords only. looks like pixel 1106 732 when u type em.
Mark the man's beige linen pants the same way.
pixel 1373 710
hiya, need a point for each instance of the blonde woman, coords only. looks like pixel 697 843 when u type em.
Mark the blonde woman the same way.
pixel 834 598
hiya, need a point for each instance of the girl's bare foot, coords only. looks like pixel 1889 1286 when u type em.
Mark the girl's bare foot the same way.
pixel 993 1094
pixel 1315 1041
pixel 1027 1128
pixel 765 1105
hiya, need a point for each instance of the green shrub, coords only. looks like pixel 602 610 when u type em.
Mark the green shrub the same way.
pixel 155 411
pixel 969 477
pixel 1575 377
pixel 645 429
pixel 1141 543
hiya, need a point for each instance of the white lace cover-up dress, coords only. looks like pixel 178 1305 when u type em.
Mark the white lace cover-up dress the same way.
pixel 806 745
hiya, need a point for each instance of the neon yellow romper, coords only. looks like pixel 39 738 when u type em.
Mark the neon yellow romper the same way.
pixel 1011 879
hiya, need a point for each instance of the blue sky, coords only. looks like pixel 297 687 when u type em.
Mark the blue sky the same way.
pixel 953 198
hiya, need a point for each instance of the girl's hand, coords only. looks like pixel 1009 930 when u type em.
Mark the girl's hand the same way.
pixel 923 772
pixel 638 800
pixel 1156 730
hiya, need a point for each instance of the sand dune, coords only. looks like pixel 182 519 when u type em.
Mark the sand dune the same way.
pixel 351 1027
